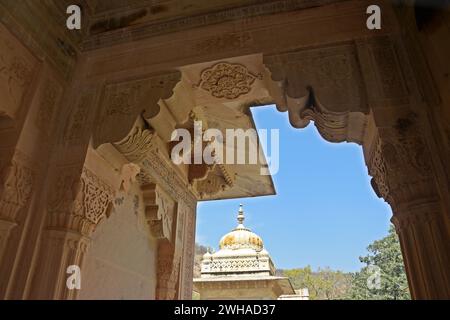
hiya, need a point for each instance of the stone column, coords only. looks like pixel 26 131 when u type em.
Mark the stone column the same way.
pixel 403 176
pixel 187 262
pixel 366 93
pixel 78 202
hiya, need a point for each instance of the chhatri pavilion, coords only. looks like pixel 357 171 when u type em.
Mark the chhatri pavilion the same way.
pixel 241 269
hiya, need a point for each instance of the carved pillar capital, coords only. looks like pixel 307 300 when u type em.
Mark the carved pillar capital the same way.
pixel 402 171
pixel 79 203
pixel 401 168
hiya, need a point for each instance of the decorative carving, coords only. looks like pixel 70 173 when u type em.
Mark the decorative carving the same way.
pixel 137 144
pixel 16 187
pixel 168 269
pixel 377 169
pixel 188 253
pixel 154 169
pixel 216 180
pixel 76 125
pixel 227 80
pixel 164 175
pixel 401 167
pixel 183 23
pixel 16 73
pixel 325 86
pixel 79 204
pixel 124 102
pixel 388 72
pixel 49 99
pixel 128 175
pixel 224 42
pixel 93 199
pixel 159 212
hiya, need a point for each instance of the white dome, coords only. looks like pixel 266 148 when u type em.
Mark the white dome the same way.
pixel 241 253
pixel 241 237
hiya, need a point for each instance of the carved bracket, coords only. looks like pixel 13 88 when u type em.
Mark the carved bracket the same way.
pixel 160 212
pixel 79 203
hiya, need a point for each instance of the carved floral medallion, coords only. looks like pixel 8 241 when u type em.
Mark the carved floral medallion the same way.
pixel 226 80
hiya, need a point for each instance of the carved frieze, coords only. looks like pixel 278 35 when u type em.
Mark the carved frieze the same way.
pixel 224 42
pixel 227 80
pixel 193 21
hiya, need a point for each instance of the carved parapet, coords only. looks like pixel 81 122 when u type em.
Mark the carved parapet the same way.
pixel 123 102
pixel 322 85
pixel 79 204
pixel 160 212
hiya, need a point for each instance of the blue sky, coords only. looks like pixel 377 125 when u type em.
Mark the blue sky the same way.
pixel 325 212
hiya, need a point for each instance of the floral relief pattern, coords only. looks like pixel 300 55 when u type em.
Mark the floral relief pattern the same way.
pixel 16 189
pixel 226 80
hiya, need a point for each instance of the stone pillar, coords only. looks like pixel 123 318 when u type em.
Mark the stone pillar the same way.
pixel 403 161
pixel 402 174
pixel 77 204
pixel 367 93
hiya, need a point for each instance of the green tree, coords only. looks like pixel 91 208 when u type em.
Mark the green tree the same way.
pixel 323 284
pixel 384 261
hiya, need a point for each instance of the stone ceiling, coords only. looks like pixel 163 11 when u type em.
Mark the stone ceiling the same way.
pixel 146 18
pixel 165 8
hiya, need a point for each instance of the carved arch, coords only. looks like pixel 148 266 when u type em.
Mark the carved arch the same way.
pixel 323 85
